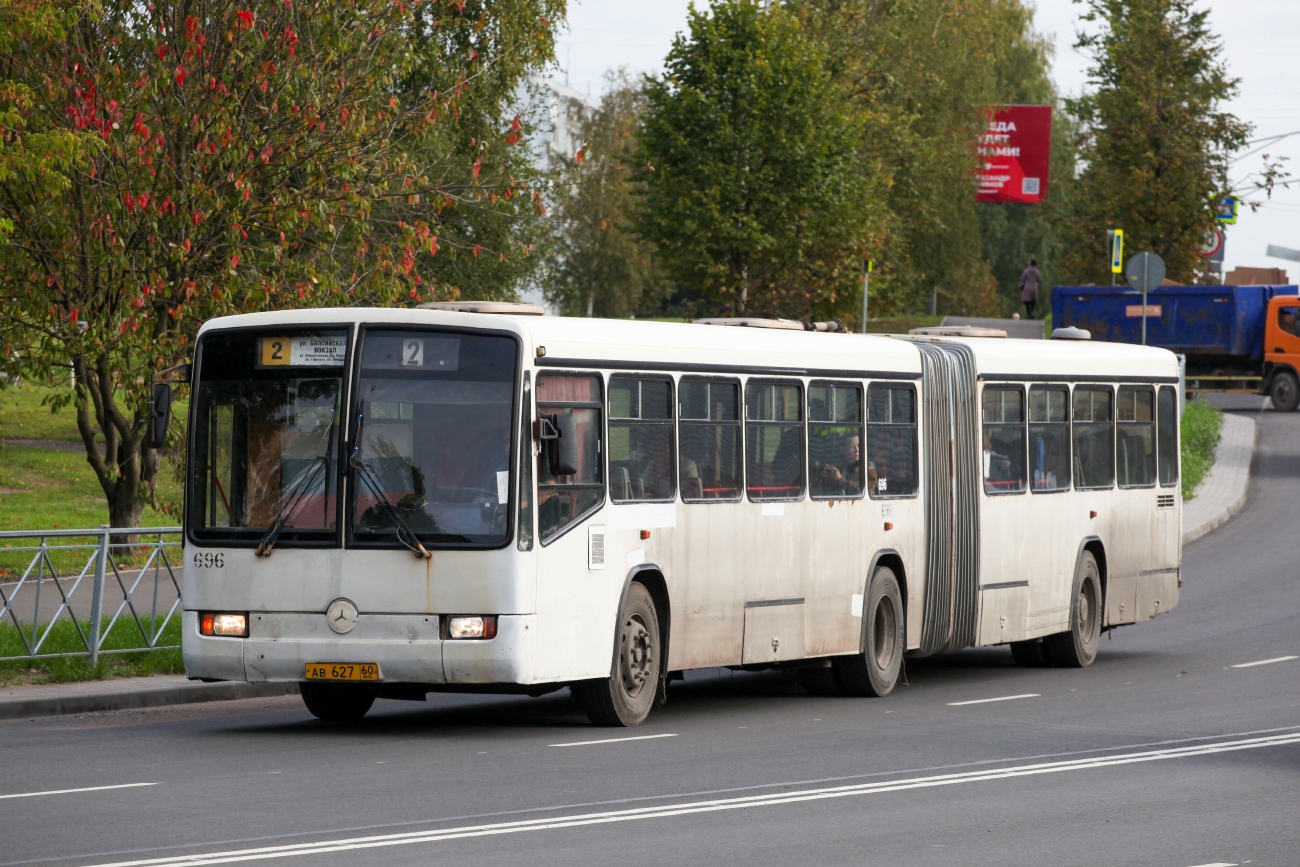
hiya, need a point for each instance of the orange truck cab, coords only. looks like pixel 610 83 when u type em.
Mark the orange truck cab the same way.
pixel 1282 352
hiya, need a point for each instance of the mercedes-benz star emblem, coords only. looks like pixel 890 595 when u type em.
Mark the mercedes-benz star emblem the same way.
pixel 341 616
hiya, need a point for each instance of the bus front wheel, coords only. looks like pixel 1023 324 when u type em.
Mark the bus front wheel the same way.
pixel 338 702
pixel 1077 648
pixel 875 670
pixel 626 696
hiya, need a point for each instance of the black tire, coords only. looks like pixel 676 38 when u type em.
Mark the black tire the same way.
pixel 820 680
pixel 875 671
pixel 1284 391
pixel 1030 654
pixel 626 696
pixel 1077 648
pixel 337 702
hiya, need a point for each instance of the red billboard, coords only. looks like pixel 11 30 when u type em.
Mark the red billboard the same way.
pixel 1015 152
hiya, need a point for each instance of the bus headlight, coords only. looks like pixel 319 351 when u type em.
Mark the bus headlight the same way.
pixel 461 626
pixel 223 624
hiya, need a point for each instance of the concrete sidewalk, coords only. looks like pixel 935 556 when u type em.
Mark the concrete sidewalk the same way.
pixel 1220 496
pixel 1223 491
pixel 125 694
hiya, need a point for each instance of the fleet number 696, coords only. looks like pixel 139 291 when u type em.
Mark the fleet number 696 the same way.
pixel 209 560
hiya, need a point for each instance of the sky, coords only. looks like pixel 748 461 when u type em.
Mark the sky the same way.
pixel 1260 46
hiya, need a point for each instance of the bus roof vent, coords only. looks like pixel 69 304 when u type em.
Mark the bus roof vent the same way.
pixel 834 326
pixel 958 331
pixel 485 307
pixel 1069 332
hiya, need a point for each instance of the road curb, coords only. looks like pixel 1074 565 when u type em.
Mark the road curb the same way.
pixel 1223 492
pixel 129 694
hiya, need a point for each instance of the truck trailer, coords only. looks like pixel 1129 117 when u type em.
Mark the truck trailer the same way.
pixel 1240 339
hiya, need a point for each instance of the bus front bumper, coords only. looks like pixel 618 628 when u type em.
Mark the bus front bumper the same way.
pixel 406 647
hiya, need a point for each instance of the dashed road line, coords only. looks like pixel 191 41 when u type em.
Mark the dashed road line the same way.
pixel 76 791
pixel 613 740
pixel 999 698
pixel 1264 661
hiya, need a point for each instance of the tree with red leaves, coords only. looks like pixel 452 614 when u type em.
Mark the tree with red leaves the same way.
pixel 163 164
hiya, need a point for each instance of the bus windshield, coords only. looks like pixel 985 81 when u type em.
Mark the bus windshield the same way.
pixel 435 415
pixel 266 441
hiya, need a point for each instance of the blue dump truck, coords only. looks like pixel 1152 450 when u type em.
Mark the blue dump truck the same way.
pixel 1236 338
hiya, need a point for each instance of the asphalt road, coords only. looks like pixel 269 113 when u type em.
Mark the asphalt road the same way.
pixel 1162 753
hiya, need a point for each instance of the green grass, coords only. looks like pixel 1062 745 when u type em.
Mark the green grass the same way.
pixel 902 324
pixel 1200 436
pixel 22 413
pixel 66 669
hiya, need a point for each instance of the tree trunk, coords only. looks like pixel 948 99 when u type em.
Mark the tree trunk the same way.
pixel 125 469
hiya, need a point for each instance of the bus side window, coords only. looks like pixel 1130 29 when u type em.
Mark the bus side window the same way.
pixel 1135 447
pixel 1004 439
pixel 564 500
pixel 640 440
pixel 710 435
pixel 774 440
pixel 1094 437
pixel 891 441
pixel 1168 436
pixel 835 469
pixel 1049 439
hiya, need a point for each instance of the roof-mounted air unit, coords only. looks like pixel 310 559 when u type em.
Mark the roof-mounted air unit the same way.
pixel 834 326
pixel 485 307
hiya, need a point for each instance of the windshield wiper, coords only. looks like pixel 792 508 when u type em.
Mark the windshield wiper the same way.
pixel 297 493
pixel 403 532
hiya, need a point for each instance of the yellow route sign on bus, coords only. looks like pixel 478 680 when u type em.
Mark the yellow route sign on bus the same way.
pixel 302 351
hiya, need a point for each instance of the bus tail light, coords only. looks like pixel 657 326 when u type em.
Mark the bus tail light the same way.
pixel 470 627
pixel 223 624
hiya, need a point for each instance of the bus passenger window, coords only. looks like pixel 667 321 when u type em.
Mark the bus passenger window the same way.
pixel 1168 436
pixel 564 500
pixel 774 440
pixel 891 441
pixel 1135 448
pixel 834 441
pixel 710 440
pixel 1049 439
pixel 1004 440
pixel 1094 437
pixel 640 439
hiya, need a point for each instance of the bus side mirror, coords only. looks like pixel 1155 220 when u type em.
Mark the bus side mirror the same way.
pixel 558 433
pixel 160 415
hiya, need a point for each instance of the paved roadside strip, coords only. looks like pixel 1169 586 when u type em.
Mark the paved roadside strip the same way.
pixel 127 693
pixel 1222 493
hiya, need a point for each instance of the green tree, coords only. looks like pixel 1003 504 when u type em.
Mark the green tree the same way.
pixel 1154 145
pixel 749 168
pixel 229 156
pixel 1014 233
pixel 596 264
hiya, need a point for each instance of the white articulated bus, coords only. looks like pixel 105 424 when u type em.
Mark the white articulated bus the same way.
pixel 392 502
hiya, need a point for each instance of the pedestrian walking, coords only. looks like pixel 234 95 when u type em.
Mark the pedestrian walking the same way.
pixel 1029 280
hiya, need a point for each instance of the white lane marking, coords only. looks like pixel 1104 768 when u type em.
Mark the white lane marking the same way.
pixel 74 791
pixel 1266 661
pixel 999 698
pixel 1218 864
pixel 612 740
pixel 705 806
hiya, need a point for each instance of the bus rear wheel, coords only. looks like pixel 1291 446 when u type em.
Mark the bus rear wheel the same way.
pixel 337 702
pixel 1077 648
pixel 875 671
pixel 625 698
pixel 1284 391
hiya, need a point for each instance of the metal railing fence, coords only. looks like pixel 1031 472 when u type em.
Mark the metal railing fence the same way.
pixel 79 575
